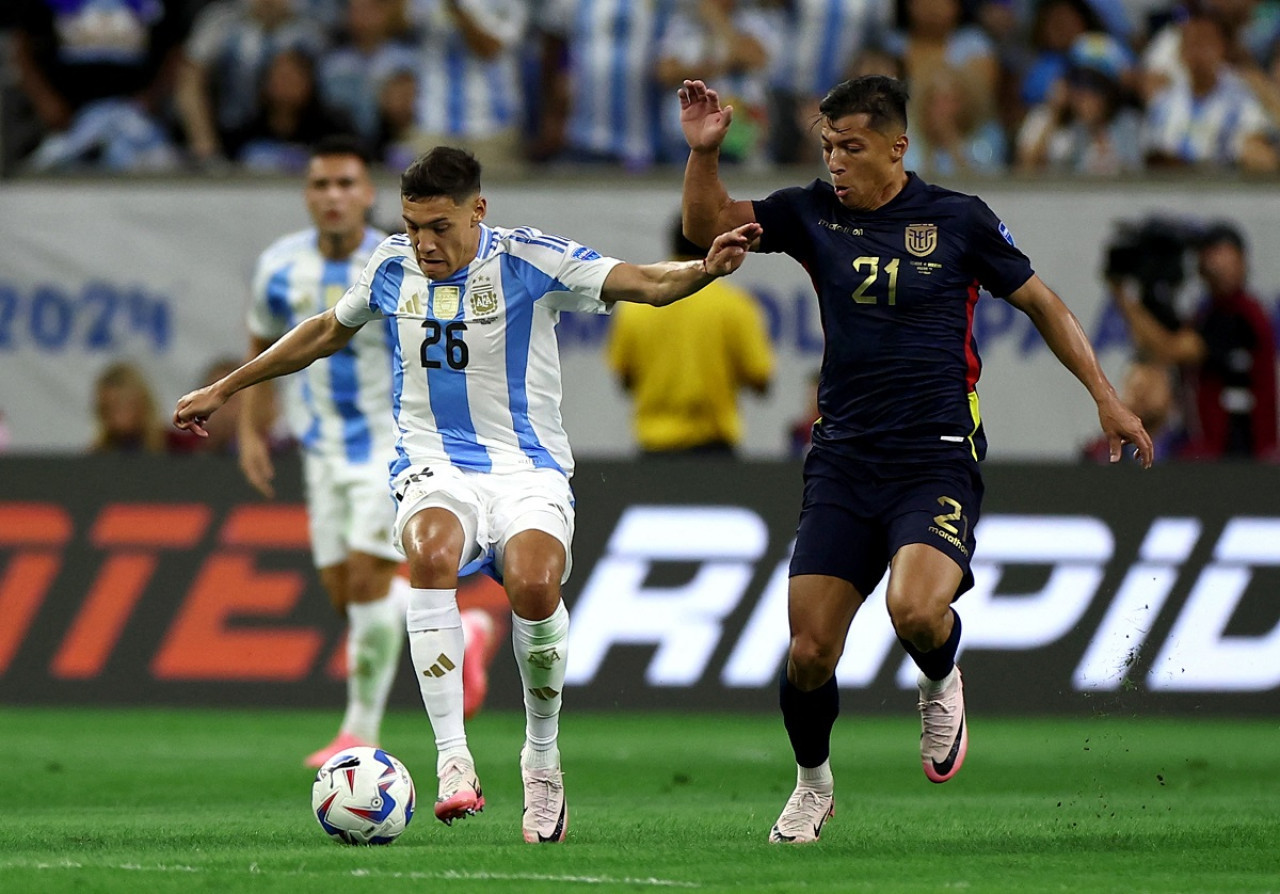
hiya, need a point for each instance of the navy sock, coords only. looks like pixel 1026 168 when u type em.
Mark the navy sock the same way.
pixel 937 663
pixel 808 717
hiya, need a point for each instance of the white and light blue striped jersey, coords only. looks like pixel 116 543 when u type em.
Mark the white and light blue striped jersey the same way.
pixel 1210 129
pixel 477 365
pixel 460 92
pixel 339 406
pixel 611 50
pixel 823 39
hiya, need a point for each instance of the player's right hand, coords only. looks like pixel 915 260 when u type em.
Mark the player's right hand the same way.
pixel 255 462
pixel 194 408
pixel 702 119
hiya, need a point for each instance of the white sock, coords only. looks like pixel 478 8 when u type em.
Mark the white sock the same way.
pixel 435 642
pixel 375 636
pixel 817 778
pixel 541 649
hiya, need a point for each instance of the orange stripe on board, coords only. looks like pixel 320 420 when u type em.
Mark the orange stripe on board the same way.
pixel 278 526
pixel 101 619
pixel 34 524
pixel 23 586
pixel 150 524
pixel 219 632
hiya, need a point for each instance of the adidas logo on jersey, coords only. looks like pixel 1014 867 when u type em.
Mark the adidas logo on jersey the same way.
pixel 410 306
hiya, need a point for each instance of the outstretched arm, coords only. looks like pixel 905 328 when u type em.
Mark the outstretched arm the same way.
pixel 706 208
pixel 668 281
pixel 313 338
pixel 1064 336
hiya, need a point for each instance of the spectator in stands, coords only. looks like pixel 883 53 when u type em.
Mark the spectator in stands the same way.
pixel 469 87
pixel 1251 27
pixel 1086 126
pixel 1055 29
pixel 396 89
pixel 232 44
pixel 684 364
pixel 98 74
pixel 290 118
pixel 952 137
pixel 376 37
pixel 933 37
pixel 125 413
pixel 735 43
pixel 1210 118
pixel 1226 353
pixel 600 100
pixel 820 39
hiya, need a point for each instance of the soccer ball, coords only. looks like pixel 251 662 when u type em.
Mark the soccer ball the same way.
pixel 363 796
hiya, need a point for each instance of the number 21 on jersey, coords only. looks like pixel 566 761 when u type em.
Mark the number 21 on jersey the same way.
pixel 869 267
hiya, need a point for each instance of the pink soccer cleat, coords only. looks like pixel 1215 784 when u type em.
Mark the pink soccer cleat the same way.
pixel 944 736
pixel 341 742
pixel 460 795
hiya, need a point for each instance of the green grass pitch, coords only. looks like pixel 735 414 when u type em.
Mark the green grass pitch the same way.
pixel 204 800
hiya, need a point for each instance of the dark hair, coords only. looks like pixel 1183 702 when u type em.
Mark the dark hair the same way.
pixel 681 245
pixel 882 99
pixel 442 171
pixel 1219 232
pixel 342 144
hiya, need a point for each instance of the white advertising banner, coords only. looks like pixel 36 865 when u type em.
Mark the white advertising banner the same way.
pixel 157 273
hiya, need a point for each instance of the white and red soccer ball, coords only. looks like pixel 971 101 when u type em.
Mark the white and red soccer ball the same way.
pixel 363 796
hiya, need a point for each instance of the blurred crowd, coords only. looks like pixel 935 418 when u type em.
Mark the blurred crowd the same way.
pixel 1094 87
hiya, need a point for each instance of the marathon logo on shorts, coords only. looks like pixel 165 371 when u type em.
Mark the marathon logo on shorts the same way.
pixel 950 538
pixel 922 239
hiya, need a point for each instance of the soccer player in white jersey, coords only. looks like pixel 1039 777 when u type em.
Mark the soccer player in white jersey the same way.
pixel 483 468
pixel 340 412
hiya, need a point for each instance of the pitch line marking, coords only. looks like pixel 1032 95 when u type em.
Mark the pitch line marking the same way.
pixel 447 874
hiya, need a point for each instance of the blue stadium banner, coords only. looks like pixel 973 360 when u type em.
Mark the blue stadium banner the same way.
pixel 134 580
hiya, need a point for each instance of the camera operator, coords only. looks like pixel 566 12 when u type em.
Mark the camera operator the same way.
pixel 1225 352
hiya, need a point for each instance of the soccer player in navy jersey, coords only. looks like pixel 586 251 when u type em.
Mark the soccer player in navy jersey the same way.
pixel 892 479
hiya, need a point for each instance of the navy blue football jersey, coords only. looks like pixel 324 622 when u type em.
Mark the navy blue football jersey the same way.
pixel 896 289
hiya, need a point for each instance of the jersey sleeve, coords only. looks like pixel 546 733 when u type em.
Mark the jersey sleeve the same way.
pixel 999 265
pixel 782 227
pixel 571 275
pixel 377 291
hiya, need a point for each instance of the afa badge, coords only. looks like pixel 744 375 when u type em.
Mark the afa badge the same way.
pixel 445 301
pixel 483 297
pixel 922 239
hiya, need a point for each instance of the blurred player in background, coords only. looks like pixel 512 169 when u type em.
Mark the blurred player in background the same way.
pixel 483 462
pixel 340 412
pixel 892 478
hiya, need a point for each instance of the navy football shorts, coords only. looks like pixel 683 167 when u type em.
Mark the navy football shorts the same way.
pixel 855 516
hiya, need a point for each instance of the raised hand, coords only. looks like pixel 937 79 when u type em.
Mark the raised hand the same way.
pixel 729 250
pixel 702 119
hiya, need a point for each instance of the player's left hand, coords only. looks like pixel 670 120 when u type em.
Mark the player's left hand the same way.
pixel 1121 426
pixel 195 408
pixel 729 250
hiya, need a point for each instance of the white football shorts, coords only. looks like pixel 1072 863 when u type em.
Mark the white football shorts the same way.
pixel 349 509
pixel 492 508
